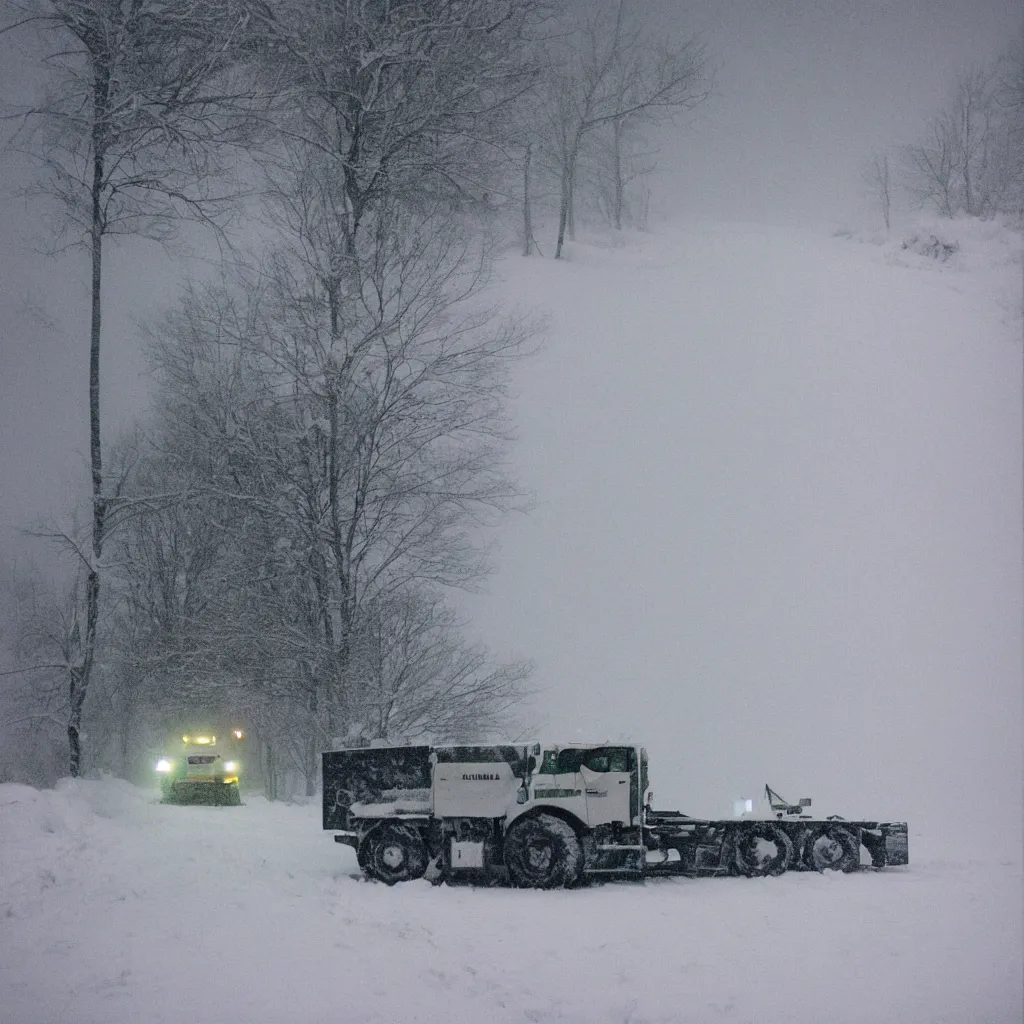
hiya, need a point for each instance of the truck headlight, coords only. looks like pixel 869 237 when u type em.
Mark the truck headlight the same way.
pixel 163 765
pixel 231 766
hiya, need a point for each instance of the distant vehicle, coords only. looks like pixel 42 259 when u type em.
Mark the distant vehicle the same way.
pixel 203 767
pixel 550 815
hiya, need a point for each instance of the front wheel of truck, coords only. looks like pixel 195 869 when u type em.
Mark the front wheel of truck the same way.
pixel 543 852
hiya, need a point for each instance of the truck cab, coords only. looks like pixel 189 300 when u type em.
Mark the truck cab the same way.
pixel 543 813
pixel 603 784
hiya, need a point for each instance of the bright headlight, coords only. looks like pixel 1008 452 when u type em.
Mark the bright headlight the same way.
pixel 163 765
pixel 231 766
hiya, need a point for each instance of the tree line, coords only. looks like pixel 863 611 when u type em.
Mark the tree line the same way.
pixel 279 540
pixel 970 158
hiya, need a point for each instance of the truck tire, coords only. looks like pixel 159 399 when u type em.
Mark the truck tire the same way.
pixel 543 852
pixel 762 850
pixel 393 852
pixel 833 849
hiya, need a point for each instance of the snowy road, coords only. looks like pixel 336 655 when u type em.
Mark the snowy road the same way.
pixel 115 909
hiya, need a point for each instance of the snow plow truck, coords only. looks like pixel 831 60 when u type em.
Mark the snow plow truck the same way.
pixel 546 815
pixel 203 768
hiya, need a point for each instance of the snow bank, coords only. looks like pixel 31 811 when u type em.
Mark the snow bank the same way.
pixel 124 910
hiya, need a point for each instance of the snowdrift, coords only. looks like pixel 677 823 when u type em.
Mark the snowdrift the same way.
pixel 114 908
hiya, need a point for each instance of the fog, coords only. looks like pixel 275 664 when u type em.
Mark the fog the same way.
pixel 777 535
pixel 805 91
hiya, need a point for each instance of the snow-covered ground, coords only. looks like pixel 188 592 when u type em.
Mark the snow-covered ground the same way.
pixel 114 908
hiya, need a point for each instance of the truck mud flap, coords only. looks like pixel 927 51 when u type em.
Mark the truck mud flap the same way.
pixel 348 838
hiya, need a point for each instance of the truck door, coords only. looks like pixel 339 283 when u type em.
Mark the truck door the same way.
pixel 560 781
pixel 608 774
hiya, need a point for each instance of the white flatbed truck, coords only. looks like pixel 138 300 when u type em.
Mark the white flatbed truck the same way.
pixel 546 815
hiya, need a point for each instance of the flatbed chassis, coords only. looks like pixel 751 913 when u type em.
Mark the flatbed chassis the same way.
pixel 696 846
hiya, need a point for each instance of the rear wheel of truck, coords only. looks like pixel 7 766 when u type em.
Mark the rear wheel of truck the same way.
pixel 833 849
pixel 393 853
pixel 763 850
pixel 543 852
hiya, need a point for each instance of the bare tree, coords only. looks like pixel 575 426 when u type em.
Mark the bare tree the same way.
pixel 1010 101
pixel 962 165
pixel 529 242
pixel 619 160
pixel 609 72
pixel 421 680
pixel 878 183
pixel 931 171
pixel 393 99
pixel 44 638
pixel 359 427
pixel 125 139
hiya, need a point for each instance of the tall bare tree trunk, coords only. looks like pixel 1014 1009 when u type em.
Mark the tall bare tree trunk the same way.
pixel 618 127
pixel 81 674
pixel 527 213
pixel 565 206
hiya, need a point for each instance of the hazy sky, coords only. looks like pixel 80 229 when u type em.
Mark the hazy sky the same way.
pixel 805 90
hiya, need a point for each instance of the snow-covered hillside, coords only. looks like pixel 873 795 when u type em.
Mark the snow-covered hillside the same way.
pixel 776 538
pixel 777 533
pixel 115 909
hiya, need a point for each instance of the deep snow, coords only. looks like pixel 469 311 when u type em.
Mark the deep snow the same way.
pixel 114 908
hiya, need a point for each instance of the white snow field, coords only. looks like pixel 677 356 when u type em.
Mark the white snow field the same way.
pixel 114 908
pixel 776 538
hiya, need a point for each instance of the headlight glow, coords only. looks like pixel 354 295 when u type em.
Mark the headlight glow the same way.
pixel 163 765
pixel 231 766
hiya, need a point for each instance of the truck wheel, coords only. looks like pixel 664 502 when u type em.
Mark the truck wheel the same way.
pixel 833 849
pixel 763 850
pixel 543 852
pixel 393 853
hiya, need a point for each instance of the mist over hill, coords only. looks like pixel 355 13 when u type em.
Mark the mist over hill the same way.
pixel 777 532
